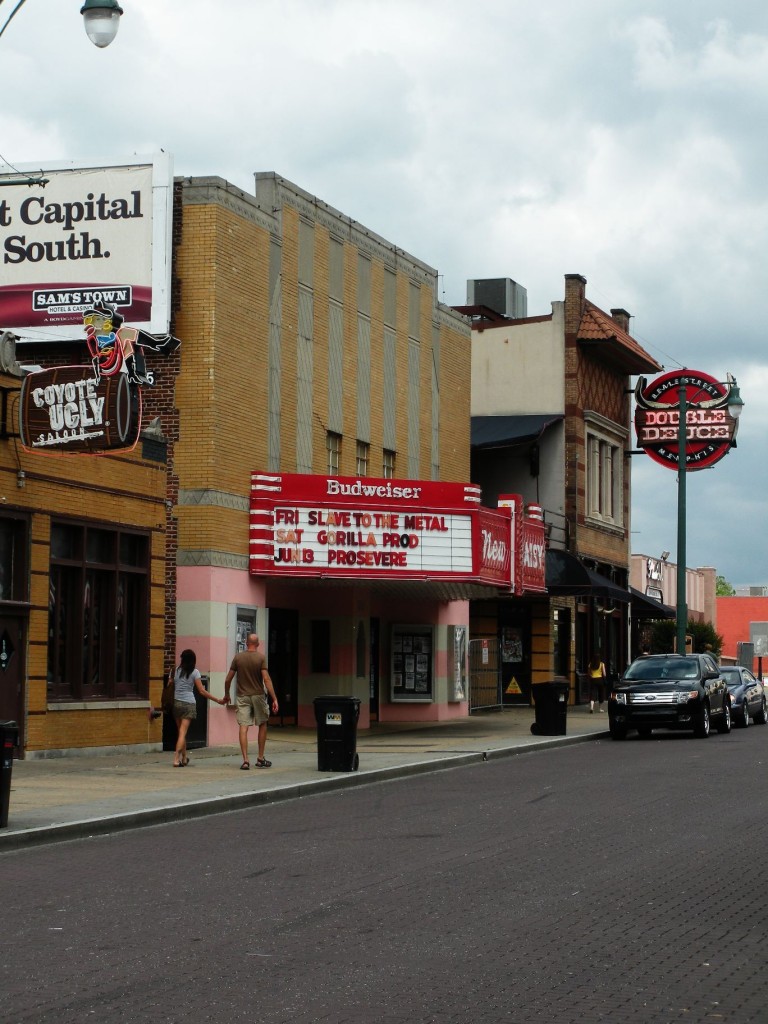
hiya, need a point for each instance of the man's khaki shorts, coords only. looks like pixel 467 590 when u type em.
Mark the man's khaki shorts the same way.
pixel 252 710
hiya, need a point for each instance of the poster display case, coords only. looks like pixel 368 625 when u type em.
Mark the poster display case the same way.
pixel 412 669
pixel 458 644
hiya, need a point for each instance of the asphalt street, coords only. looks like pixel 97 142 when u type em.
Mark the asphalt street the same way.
pixel 603 881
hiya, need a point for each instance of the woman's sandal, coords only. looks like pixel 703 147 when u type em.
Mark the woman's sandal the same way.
pixel 262 762
pixel 245 766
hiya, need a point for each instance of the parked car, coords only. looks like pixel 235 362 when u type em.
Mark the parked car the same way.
pixel 670 691
pixel 748 698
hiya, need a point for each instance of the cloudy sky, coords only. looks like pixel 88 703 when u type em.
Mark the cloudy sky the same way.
pixel 618 139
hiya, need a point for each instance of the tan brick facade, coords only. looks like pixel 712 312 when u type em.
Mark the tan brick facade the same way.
pixel 107 491
pixel 223 316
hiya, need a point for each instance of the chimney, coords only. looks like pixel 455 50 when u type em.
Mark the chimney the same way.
pixel 622 318
pixel 575 288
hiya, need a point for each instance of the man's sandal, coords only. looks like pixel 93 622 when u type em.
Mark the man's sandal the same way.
pixel 262 762
pixel 245 766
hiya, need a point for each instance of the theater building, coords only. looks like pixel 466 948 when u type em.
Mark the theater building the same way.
pixel 320 465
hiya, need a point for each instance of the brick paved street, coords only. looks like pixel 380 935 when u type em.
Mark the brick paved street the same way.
pixel 606 882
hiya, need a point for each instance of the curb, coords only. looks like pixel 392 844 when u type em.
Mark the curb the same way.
pixel 91 828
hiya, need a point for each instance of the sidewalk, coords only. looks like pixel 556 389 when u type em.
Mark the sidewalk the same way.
pixel 66 798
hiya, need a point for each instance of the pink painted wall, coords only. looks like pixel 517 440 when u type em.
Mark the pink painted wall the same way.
pixel 734 615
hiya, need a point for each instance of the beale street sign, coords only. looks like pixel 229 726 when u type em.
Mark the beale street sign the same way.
pixel 709 428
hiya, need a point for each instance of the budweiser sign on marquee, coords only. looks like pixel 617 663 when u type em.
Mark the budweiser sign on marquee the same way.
pixel 347 527
pixel 709 428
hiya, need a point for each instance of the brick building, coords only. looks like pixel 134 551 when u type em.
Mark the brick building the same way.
pixel 302 469
pixel 551 421
pixel 315 355
pixel 82 589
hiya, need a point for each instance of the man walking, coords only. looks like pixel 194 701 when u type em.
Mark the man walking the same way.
pixel 255 695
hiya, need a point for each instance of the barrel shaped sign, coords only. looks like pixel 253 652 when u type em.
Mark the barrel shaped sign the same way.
pixel 709 428
pixel 68 409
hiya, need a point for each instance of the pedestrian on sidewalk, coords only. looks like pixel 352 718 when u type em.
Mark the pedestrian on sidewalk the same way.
pixel 255 696
pixel 186 680
pixel 596 673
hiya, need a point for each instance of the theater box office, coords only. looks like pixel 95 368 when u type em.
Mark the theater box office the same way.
pixel 361 587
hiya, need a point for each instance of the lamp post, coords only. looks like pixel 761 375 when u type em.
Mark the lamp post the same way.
pixel 735 405
pixel 101 19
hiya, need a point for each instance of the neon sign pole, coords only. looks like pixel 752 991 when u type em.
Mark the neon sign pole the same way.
pixel 682 475
pixel 735 405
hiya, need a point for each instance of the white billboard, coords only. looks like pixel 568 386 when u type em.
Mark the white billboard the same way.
pixel 96 231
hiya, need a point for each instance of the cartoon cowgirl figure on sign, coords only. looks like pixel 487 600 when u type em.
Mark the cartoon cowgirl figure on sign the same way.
pixel 116 349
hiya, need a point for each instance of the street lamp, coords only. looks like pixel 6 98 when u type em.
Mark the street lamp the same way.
pixel 102 20
pixel 734 404
pixel 101 17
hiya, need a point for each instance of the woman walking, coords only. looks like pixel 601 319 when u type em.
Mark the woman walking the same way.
pixel 596 672
pixel 187 679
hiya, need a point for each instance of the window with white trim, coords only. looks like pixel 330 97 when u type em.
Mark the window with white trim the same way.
pixel 605 479
pixel 333 447
pixel 362 455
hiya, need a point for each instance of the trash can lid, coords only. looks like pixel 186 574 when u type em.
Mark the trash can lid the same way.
pixel 336 697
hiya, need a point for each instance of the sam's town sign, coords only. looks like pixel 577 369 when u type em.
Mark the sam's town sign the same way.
pixel 344 527
pixel 92 408
pixel 709 428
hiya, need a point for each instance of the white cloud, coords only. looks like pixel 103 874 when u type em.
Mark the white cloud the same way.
pixel 620 141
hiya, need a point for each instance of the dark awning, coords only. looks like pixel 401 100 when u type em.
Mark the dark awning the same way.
pixel 644 607
pixel 569 577
pixel 503 431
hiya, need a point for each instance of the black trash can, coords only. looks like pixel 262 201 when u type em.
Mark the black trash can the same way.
pixel 336 719
pixel 9 738
pixel 551 700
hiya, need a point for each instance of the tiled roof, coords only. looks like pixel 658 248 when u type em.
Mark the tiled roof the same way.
pixel 600 330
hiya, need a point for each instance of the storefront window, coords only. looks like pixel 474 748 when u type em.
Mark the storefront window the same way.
pixel 13 571
pixel 97 613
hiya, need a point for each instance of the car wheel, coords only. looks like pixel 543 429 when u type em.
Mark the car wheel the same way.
pixel 761 718
pixel 744 714
pixel 701 723
pixel 644 732
pixel 618 732
pixel 724 723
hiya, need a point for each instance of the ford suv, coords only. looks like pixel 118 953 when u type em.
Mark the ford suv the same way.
pixel 670 691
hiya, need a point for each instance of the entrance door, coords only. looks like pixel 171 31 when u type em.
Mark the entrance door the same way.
pixel 484 676
pixel 283 662
pixel 515 651
pixel 13 670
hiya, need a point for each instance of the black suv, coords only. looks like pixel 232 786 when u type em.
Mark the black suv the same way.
pixel 670 691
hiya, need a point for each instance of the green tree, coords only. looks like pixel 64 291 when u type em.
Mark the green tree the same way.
pixel 664 634
pixel 723 588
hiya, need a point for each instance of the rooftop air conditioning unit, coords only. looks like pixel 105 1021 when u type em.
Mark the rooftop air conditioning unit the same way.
pixel 501 294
